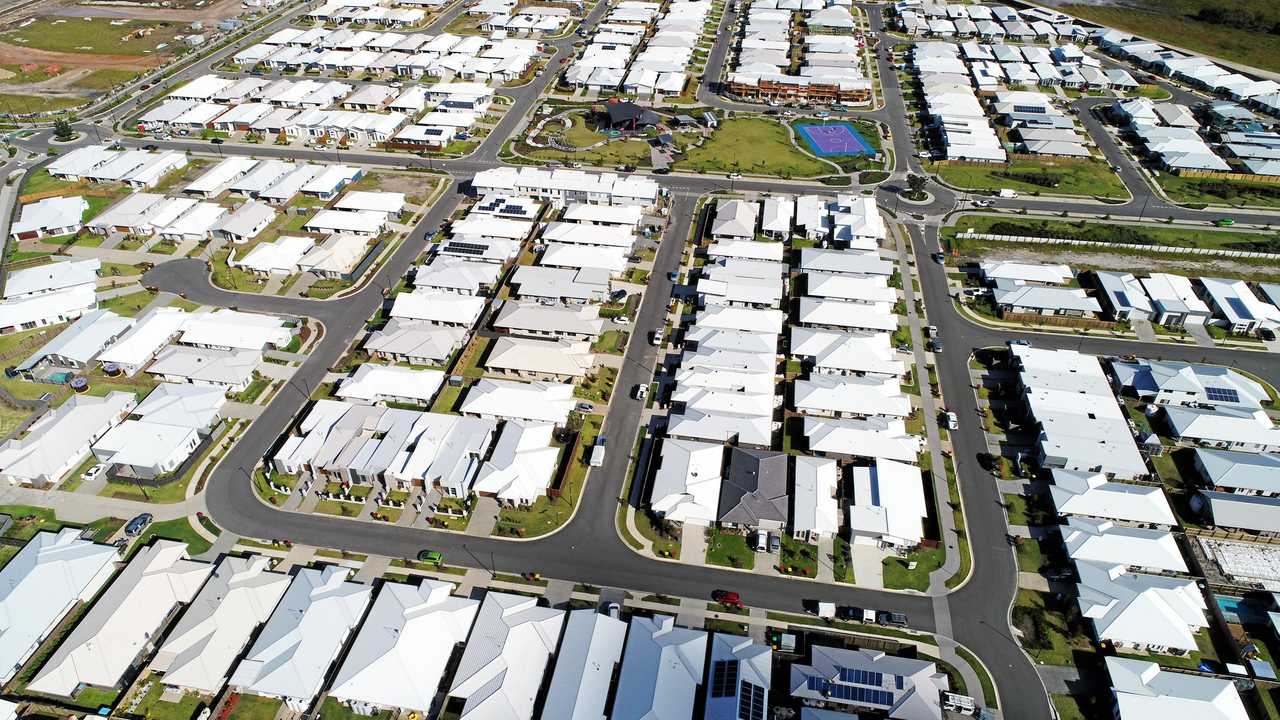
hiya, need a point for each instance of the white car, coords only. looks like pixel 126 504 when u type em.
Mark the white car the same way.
pixel 982 203
pixel 622 320
pixel 94 471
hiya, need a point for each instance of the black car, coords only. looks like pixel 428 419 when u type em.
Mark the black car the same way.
pixel 662 171
pixel 1266 333
pixel 216 141
pixel 891 617
pixel 935 346
pixel 137 525
pixel 150 147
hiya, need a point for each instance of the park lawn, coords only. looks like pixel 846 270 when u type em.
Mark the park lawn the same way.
pixel 105 78
pixel 22 104
pixel 898 577
pixel 254 707
pixel 96 36
pixel 755 146
pixel 177 529
pixel 128 305
pixel 1219 192
pixel 1065 177
pixel 1174 22
pixel 151 707
pixel 730 550
pixel 612 154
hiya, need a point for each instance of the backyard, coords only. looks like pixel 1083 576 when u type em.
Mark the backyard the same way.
pixel 755 146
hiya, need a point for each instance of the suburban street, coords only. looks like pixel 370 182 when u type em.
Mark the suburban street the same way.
pixel 589 549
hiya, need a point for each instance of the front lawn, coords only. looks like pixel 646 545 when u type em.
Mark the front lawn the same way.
pixel 1053 177
pixel 547 513
pixel 665 538
pixel 597 387
pixel 128 305
pixel 798 558
pixel 730 550
pixel 611 342
pixel 752 145
pixel 898 575
pixel 177 529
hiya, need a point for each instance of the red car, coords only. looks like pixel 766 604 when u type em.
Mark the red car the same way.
pixel 727 598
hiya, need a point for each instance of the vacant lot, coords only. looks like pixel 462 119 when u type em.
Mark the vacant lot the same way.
pixel 1048 176
pixel 1239 30
pixel 1219 192
pixel 755 146
pixel 98 36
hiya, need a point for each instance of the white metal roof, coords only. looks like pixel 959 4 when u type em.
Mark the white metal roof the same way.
pixel 1134 608
pixel 506 657
pixel 124 619
pixel 200 650
pixel 1092 540
pixel 227 328
pixel 1091 494
pixel 404 646
pixel 662 667
pixel 303 635
pixel 589 654
pixel 888 503
pixel 537 401
pixel 372 382
pixel 686 487
pixel 40 585
pixel 1143 690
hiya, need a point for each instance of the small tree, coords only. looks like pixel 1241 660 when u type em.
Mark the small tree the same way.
pixel 916 183
pixel 62 130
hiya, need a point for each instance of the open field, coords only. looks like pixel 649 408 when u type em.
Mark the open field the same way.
pixel 1050 176
pixel 98 36
pixel 1144 234
pixel 754 146
pixel 1219 192
pixel 1236 30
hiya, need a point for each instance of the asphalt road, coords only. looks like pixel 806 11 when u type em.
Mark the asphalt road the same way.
pixel 588 548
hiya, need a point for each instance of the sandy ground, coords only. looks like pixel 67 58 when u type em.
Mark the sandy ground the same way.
pixel 17 54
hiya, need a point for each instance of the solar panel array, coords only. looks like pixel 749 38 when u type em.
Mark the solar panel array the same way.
pixel 851 693
pixel 750 702
pixel 1218 394
pixel 465 248
pixel 861 677
pixel 724 678
pixel 1238 305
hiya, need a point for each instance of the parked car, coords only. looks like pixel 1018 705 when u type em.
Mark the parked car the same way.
pixel 642 391
pixel 1024 343
pixel 662 171
pixel 891 617
pixel 982 203
pixel 775 543
pixel 1266 333
pixel 94 471
pixel 622 320
pixel 584 407
pixel 728 598
pixel 735 176
pixel 150 146
pixel 137 525
pixel 935 345
pixel 430 556
pixel 953 422
pixel 613 610
pixel 1225 222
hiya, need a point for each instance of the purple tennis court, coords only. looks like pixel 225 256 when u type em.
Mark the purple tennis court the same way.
pixel 834 140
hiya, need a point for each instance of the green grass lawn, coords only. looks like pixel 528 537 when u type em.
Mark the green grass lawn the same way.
pixel 1030 557
pixel 597 387
pixel 255 389
pixel 105 78
pixel 331 709
pixel 1046 636
pixel 841 568
pixel 546 513
pixel 1016 507
pixel 1059 177
pixel 1177 22
pixel 730 550
pixel 128 305
pixel 42 182
pixel 662 545
pixel 253 707
pixel 29 520
pixel 233 278
pixel 898 577
pixel 21 104
pixel 798 558
pixel 612 342
pixel 177 529
pixel 1144 234
pixel 755 146
pixel 151 707
pixel 96 36
pixel 1219 192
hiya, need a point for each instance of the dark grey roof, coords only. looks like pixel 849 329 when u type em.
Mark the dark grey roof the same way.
pixel 755 489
